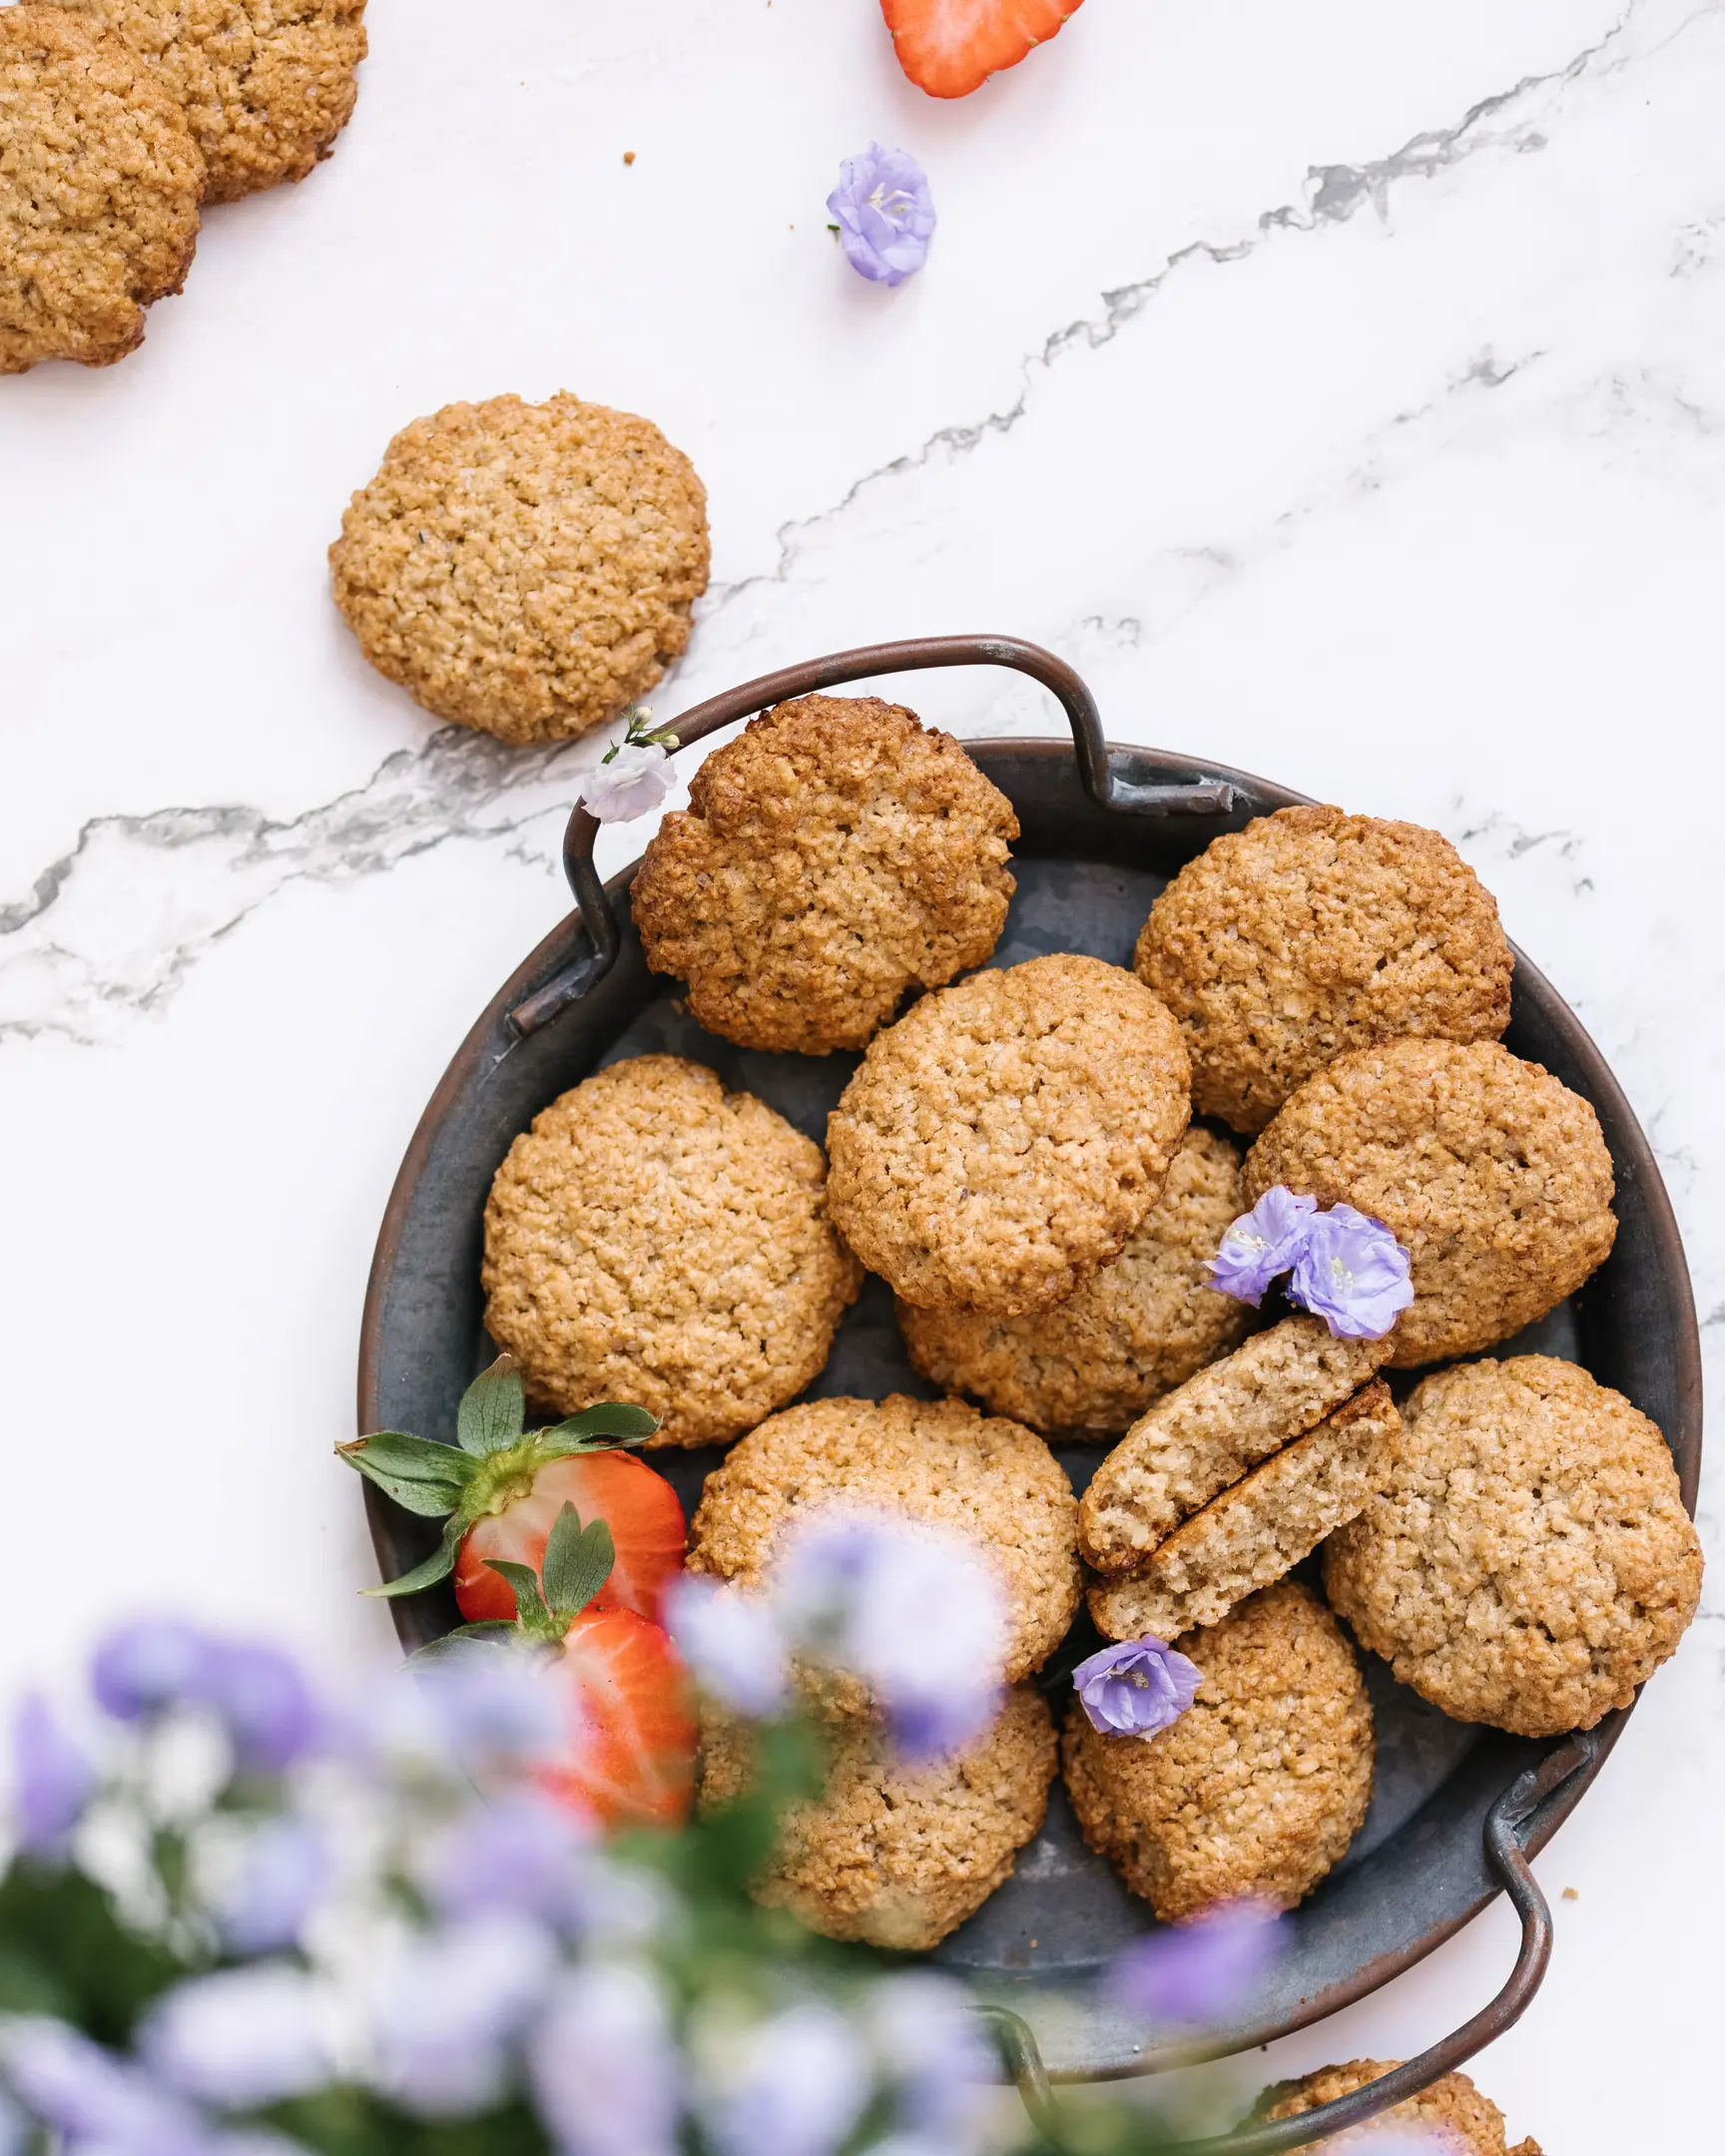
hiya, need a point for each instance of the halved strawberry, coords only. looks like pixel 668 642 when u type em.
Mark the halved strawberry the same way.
pixel 952 47
pixel 632 1748
pixel 639 1506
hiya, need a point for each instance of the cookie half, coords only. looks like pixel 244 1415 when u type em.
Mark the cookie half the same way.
pixel 1450 2118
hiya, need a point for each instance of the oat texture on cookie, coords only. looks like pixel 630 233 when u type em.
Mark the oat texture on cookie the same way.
pixel 266 85
pixel 895 1854
pixel 1133 1331
pixel 1312 932
pixel 1258 1788
pixel 658 1240
pixel 937 1462
pixel 834 858
pixel 1488 1170
pixel 525 569
pixel 1009 1135
pixel 1450 2118
pixel 100 181
pixel 1529 1563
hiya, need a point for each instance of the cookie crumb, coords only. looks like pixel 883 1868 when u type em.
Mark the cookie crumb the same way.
pixel 1570 1894
pixel 628 157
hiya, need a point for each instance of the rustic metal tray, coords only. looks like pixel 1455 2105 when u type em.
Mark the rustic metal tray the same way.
pixel 1457 1807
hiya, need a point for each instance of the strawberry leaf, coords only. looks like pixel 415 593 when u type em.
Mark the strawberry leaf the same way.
pixel 578 1562
pixel 493 1632
pixel 530 1611
pixel 611 1422
pixel 436 1567
pixel 493 1411
pixel 423 1477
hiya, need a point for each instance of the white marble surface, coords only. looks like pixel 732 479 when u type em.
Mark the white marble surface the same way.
pixel 1342 387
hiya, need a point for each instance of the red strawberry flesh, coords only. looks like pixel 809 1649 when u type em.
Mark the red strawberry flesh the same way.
pixel 952 47
pixel 631 1755
pixel 638 1506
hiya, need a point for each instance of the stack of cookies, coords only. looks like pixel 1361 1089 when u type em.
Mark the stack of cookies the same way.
pixel 1015 1155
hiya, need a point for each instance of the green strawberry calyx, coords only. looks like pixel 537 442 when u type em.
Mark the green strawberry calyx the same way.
pixel 578 1561
pixel 492 1464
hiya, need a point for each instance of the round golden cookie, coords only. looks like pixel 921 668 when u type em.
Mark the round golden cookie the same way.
pixel 99 182
pixel 656 1238
pixel 1260 1785
pixel 527 569
pixel 1530 1563
pixel 1009 1135
pixel 268 85
pixel 1493 1174
pixel 1312 932
pixel 834 857
pixel 1132 1332
pixel 935 1461
pixel 893 1854
pixel 1450 2118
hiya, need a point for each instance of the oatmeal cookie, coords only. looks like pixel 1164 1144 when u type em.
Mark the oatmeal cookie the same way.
pixel 1530 1562
pixel 527 569
pixel 893 1854
pixel 1491 1171
pixel 1260 1528
pixel 1009 1135
pixel 268 85
pixel 936 1461
pixel 1450 2118
pixel 835 857
pixel 1213 1431
pixel 1260 1785
pixel 99 182
pixel 1312 932
pixel 1129 1334
pixel 656 1238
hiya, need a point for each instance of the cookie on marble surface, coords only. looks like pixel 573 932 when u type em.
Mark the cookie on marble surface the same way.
pixel 1258 1788
pixel 1312 932
pixel 266 85
pixel 895 1854
pixel 99 183
pixel 1213 1431
pixel 1009 1135
pixel 525 569
pixel 1493 1174
pixel 835 858
pixel 1530 1562
pixel 656 1238
pixel 1261 1527
pixel 1133 1331
pixel 1450 2118
pixel 935 1461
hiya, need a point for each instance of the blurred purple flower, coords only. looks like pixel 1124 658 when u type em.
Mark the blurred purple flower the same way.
pixel 520 1853
pixel 282 1872
pixel 928 2040
pixel 14 2127
pixel 264 1703
pixel 1136 1688
pixel 631 782
pixel 91 2099
pixel 240 2039
pixel 53 1780
pixel 1351 1273
pixel 603 2065
pixel 1196 1974
pixel 150 1664
pixel 493 1707
pixel 731 1643
pixel 1261 1244
pixel 797 2086
pixel 884 213
pixel 449 2008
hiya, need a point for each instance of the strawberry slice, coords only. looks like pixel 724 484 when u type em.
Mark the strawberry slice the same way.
pixel 632 1743
pixel 639 1506
pixel 952 47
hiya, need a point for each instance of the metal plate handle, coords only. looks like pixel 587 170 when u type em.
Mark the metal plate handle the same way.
pixel 1507 1858
pixel 1108 780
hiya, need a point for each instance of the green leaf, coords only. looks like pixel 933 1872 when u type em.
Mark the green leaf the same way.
pixel 611 1422
pixel 437 1566
pixel 498 1631
pixel 420 1476
pixel 494 1410
pixel 530 1610
pixel 578 1562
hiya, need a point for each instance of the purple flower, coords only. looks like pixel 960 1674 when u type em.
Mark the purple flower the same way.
pixel 265 1703
pixel 282 1872
pixel 604 2067
pixel 519 1854
pixel 1261 1244
pixel 485 1709
pixel 1136 1688
pixel 731 1643
pixel 449 2008
pixel 52 1779
pixel 1353 1274
pixel 629 783
pixel 884 212
pixel 90 2098
pixel 796 2087
pixel 148 1666
pixel 240 2039
pixel 1196 1974
pixel 928 2040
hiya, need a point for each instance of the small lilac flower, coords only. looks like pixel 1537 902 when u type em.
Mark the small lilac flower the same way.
pixel 884 213
pixel 90 2098
pixel 731 1643
pixel 1261 1244
pixel 14 2129
pixel 1196 1974
pixel 282 1872
pixel 487 1708
pixel 1353 1274
pixel 240 2039
pixel 449 2007
pixel 928 2041
pixel 603 2065
pixel 52 1779
pixel 631 783
pixel 146 1666
pixel 798 2085
pixel 520 1853
pixel 264 1703
pixel 1137 1688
